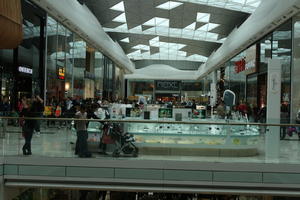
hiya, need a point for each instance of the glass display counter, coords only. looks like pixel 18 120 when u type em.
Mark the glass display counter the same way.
pixel 196 137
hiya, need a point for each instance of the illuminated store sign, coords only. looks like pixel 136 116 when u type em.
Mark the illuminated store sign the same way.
pixel 25 70
pixel 248 63
pixel 167 85
pixel 61 73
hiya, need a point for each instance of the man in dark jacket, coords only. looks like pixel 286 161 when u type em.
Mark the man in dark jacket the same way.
pixel 37 111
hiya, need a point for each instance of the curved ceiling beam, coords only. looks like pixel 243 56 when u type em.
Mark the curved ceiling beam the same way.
pixel 81 20
pixel 269 15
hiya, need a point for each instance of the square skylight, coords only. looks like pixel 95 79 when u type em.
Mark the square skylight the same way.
pixel 169 5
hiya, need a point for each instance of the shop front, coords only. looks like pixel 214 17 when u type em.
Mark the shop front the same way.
pixel 22 68
pixel 246 73
pixel 167 90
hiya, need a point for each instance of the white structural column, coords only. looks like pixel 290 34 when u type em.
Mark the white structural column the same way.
pixel 213 89
pixel 273 109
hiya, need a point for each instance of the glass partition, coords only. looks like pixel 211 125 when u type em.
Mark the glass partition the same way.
pixel 210 139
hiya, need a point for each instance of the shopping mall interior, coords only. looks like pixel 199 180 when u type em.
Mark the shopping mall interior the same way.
pixel 149 99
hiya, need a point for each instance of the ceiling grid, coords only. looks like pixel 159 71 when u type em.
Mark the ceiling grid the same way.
pixel 171 30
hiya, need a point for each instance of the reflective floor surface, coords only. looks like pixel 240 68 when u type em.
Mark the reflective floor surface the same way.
pixel 55 142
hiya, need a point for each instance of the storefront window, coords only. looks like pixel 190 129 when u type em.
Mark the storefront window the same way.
pixel 144 88
pixel 237 78
pixel 55 58
pixel 29 65
pixel 6 71
pixel 296 69
pixel 99 65
pixel 79 52
pixel 282 49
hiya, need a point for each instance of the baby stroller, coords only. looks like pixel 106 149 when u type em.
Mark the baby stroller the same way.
pixel 124 142
pixel 291 129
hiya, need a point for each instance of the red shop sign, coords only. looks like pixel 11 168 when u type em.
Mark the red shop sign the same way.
pixel 240 66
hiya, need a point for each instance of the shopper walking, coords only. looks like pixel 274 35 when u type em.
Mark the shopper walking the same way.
pixel 82 135
pixel 28 126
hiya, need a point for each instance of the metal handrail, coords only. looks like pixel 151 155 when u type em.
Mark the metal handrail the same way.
pixel 156 121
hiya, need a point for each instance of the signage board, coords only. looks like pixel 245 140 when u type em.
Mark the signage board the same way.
pixel 248 63
pixel 165 113
pixel 25 70
pixel 191 86
pixel 167 85
pixel 61 73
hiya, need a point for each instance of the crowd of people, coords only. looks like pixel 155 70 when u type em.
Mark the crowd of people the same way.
pixel 86 109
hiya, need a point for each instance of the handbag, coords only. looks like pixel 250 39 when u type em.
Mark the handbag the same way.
pixel 106 139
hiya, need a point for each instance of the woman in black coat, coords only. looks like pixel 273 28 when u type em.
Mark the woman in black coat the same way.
pixel 28 126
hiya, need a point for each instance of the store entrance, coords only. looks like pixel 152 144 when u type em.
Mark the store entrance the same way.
pixel 24 86
pixel 167 97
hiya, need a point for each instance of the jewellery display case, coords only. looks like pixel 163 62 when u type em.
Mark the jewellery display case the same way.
pixel 220 139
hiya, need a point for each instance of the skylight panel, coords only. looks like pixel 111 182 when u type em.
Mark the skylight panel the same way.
pixel 142 47
pixel 120 18
pixel 149 31
pixel 181 53
pixel 123 28
pixel 239 1
pixel 203 28
pixel 162 22
pixel 212 26
pixel 203 17
pixel 169 5
pixel 150 22
pixel 137 29
pixel 191 26
pixel 188 33
pixel 157 21
pixel 125 40
pixel 156 39
pixel 248 6
pixel 162 30
pixel 175 32
pixel 180 46
pixel 119 7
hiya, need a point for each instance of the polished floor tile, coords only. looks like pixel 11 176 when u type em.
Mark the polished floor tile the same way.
pixel 54 142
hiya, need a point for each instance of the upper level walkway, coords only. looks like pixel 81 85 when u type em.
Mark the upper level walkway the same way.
pixel 221 163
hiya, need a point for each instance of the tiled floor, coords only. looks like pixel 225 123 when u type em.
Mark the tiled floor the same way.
pixel 54 142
